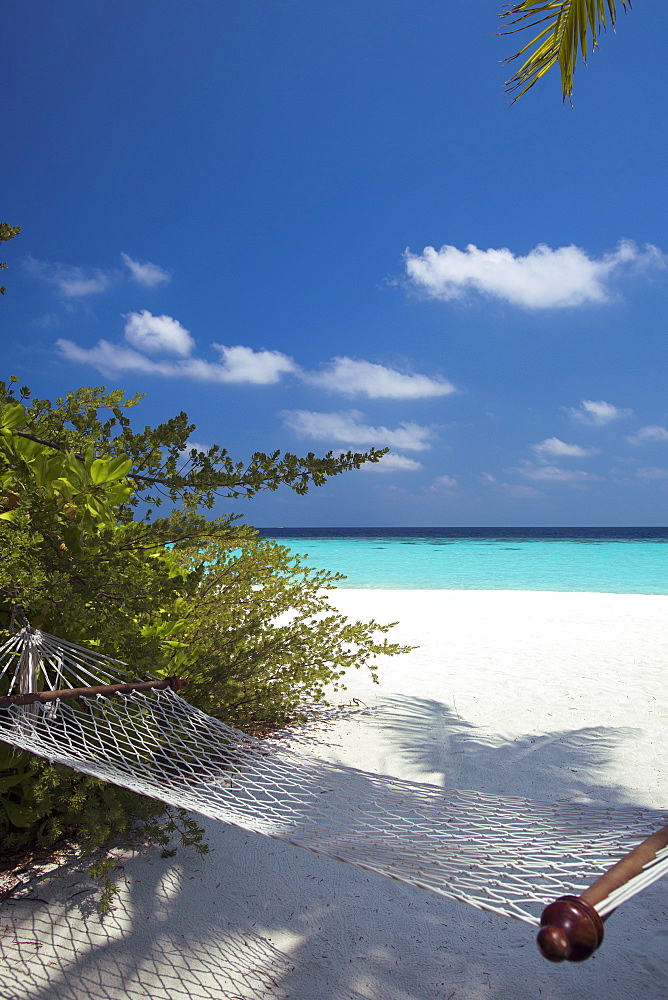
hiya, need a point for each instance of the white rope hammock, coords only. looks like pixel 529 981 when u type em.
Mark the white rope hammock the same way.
pixel 510 856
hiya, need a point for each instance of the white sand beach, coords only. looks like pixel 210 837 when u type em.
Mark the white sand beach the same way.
pixel 555 696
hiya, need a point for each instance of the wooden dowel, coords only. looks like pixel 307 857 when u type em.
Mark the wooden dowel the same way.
pixel 571 927
pixel 67 694
pixel 626 868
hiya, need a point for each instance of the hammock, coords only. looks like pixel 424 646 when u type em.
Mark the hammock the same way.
pixel 509 856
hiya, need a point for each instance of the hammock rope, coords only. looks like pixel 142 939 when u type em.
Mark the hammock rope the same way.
pixel 505 855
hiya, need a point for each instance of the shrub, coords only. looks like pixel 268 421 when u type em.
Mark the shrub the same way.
pixel 245 621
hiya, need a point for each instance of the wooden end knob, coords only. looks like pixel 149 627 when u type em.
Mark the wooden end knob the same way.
pixel 571 930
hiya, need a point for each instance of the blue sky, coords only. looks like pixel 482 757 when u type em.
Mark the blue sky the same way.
pixel 319 227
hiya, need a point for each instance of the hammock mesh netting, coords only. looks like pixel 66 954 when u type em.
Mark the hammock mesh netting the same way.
pixel 504 855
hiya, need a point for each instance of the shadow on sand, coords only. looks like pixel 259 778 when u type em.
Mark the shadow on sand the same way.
pixel 257 919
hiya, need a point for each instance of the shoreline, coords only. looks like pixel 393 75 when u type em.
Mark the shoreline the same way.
pixel 538 694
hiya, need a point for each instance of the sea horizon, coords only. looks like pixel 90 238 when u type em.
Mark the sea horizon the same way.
pixel 606 559
pixel 468 528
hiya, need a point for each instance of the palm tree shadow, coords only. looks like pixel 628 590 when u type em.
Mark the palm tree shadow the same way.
pixel 562 765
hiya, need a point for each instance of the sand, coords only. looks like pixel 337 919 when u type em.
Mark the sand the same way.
pixel 552 696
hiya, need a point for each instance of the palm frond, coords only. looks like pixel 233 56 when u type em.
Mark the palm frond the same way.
pixel 567 29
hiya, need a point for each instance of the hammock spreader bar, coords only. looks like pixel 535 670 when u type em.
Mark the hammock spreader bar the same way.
pixel 572 927
pixel 68 694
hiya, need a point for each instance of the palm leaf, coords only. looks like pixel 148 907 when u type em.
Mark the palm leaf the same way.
pixel 567 29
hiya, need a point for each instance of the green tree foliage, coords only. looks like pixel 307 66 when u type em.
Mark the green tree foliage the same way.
pixel 7 232
pixel 87 557
pixel 85 547
pixel 261 637
pixel 568 29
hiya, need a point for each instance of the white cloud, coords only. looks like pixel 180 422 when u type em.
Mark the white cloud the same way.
pixel 195 446
pixel 651 433
pixel 364 378
pixel 74 282
pixel 345 427
pixel 150 335
pixel 71 282
pixel 240 365
pixel 652 472
pixel 147 274
pixel 597 412
pixel 190 446
pixel 555 448
pixel 49 321
pixel 157 334
pixel 111 359
pixel 553 474
pixel 515 490
pixel 443 484
pixel 393 463
pixel 75 286
pixel 545 278
pixel 243 364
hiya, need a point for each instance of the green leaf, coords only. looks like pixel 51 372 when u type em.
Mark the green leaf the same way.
pixel 12 416
pixel 119 467
pixel 26 448
pixel 64 489
pixel 568 29
pixel 10 780
pixel 20 815
pixel 99 471
pixel 77 470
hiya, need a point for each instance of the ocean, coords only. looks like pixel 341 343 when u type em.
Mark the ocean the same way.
pixel 603 560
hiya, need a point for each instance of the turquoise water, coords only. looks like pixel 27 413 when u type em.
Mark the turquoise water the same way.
pixel 606 560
